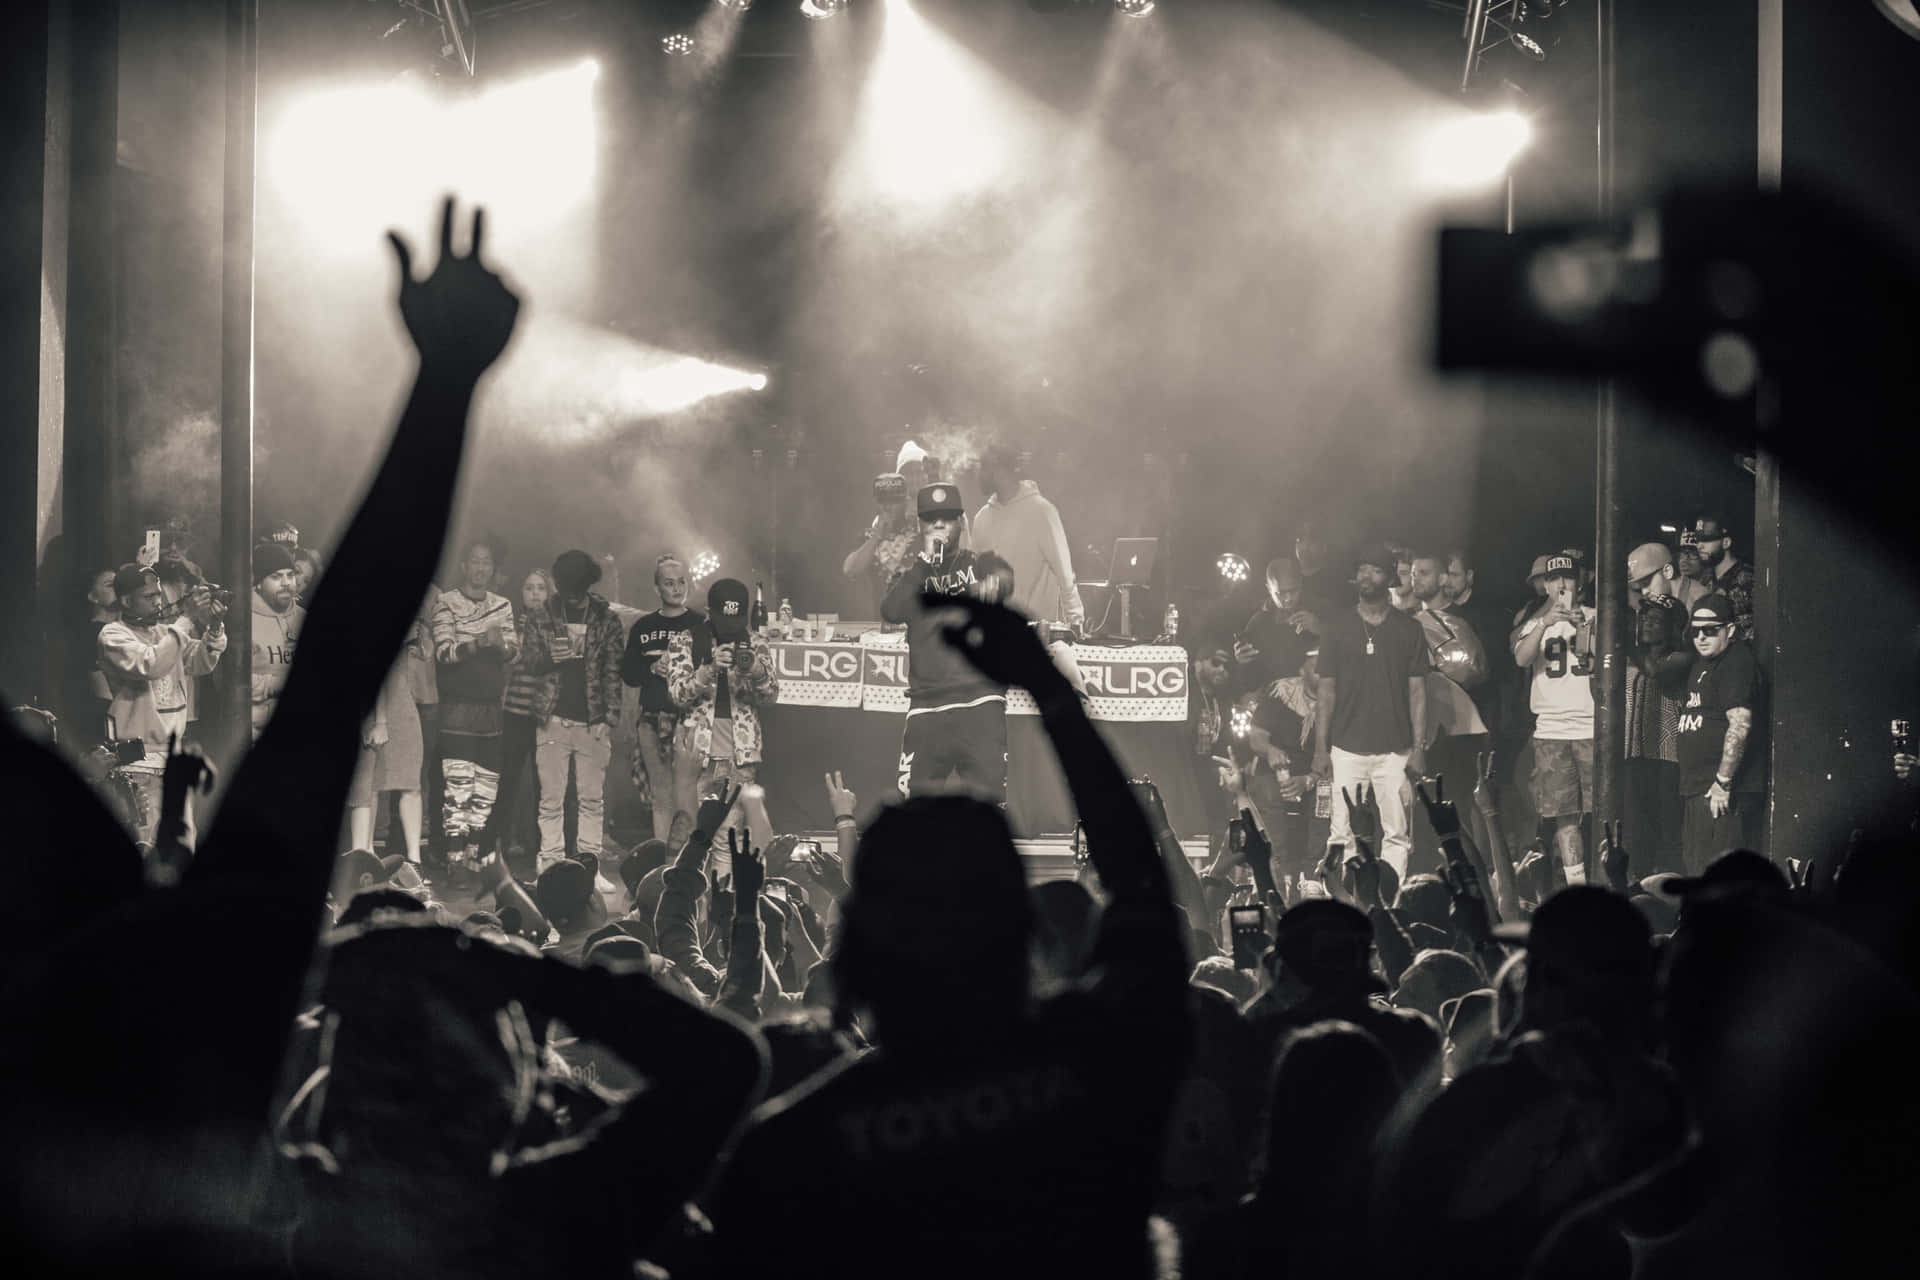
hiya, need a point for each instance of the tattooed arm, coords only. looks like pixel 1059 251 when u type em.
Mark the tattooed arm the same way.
pixel 1739 726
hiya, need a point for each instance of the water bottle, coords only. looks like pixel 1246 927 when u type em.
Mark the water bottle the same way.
pixel 1170 623
pixel 1323 800
pixel 786 619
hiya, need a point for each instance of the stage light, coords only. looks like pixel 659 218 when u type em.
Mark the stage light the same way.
pixel 821 8
pixel 677 45
pixel 758 382
pixel 704 565
pixel 1134 8
pixel 680 383
pixel 734 4
pixel 1669 528
pixel 1476 149
pixel 1233 568
pixel 356 161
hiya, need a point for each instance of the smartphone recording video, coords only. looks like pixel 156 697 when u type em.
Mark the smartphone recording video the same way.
pixel 1250 935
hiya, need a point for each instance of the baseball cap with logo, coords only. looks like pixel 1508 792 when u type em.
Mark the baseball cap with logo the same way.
pixel 941 498
pixel 1647 559
pixel 1712 611
pixel 1560 566
pixel 1709 529
pixel 890 486
pixel 727 613
pixel 1539 569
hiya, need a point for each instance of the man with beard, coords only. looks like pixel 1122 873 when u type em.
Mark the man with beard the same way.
pixel 1724 573
pixel 276 627
pixel 1269 648
pixel 670 783
pixel 474 639
pixel 1372 709
pixel 1723 772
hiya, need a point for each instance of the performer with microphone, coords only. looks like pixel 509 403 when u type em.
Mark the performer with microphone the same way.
pixel 956 717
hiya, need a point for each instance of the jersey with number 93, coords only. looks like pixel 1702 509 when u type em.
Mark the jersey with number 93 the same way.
pixel 1562 692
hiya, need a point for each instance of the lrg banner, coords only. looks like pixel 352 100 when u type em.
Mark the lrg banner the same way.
pixel 1141 684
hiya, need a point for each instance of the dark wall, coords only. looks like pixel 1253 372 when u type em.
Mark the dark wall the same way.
pixel 1844 653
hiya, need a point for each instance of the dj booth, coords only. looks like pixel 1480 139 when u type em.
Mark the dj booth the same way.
pixel 843 704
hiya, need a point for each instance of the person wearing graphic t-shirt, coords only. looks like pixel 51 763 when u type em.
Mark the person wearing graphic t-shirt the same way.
pixel 670 783
pixel 1722 770
pixel 1372 709
pixel 1555 646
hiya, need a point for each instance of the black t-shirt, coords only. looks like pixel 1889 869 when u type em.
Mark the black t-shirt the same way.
pixel 1281 648
pixel 570 661
pixel 1371 712
pixel 646 642
pixel 1713 686
pixel 1036 1152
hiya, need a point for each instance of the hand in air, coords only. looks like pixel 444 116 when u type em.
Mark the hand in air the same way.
pixel 997 642
pixel 749 870
pixel 461 316
pixel 1440 810
pixel 714 810
pixel 1613 857
pixel 1363 814
pixel 840 800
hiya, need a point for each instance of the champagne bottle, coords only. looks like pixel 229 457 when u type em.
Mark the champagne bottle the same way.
pixel 759 619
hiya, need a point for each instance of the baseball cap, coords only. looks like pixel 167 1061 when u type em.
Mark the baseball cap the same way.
pixel 1539 569
pixel 1589 936
pixel 890 486
pixel 1736 869
pixel 1646 559
pixel 941 498
pixel 727 615
pixel 1709 529
pixel 1688 538
pixel 1711 611
pixel 1560 566
pixel 1326 943
pixel 129 578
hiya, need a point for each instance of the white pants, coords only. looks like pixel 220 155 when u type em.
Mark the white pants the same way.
pixel 1387 774
pixel 559 745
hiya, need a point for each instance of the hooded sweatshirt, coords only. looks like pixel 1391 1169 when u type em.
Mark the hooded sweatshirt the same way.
pixel 1025 530
pixel 274 634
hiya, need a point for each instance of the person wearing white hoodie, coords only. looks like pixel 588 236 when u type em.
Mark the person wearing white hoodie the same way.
pixel 277 619
pixel 1024 529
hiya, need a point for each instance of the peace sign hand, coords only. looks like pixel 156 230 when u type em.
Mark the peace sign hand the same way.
pixel 462 314
pixel 1363 813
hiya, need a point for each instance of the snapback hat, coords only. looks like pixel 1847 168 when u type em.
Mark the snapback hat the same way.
pixel 1561 566
pixel 1736 869
pixel 727 610
pixel 1711 611
pixel 941 498
pixel 129 578
pixel 889 487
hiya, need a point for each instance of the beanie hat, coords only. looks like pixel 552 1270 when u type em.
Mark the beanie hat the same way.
pixel 269 558
pixel 574 571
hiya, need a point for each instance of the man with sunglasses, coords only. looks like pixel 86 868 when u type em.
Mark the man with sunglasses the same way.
pixel 1722 761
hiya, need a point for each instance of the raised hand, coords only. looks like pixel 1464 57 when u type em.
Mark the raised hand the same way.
pixel 840 800
pixel 998 643
pixel 1365 869
pixel 714 810
pixel 461 316
pixel 1613 858
pixel 1469 908
pixel 1440 810
pixel 1257 850
pixel 1363 814
pixel 1531 870
pixel 1486 792
pixel 749 871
